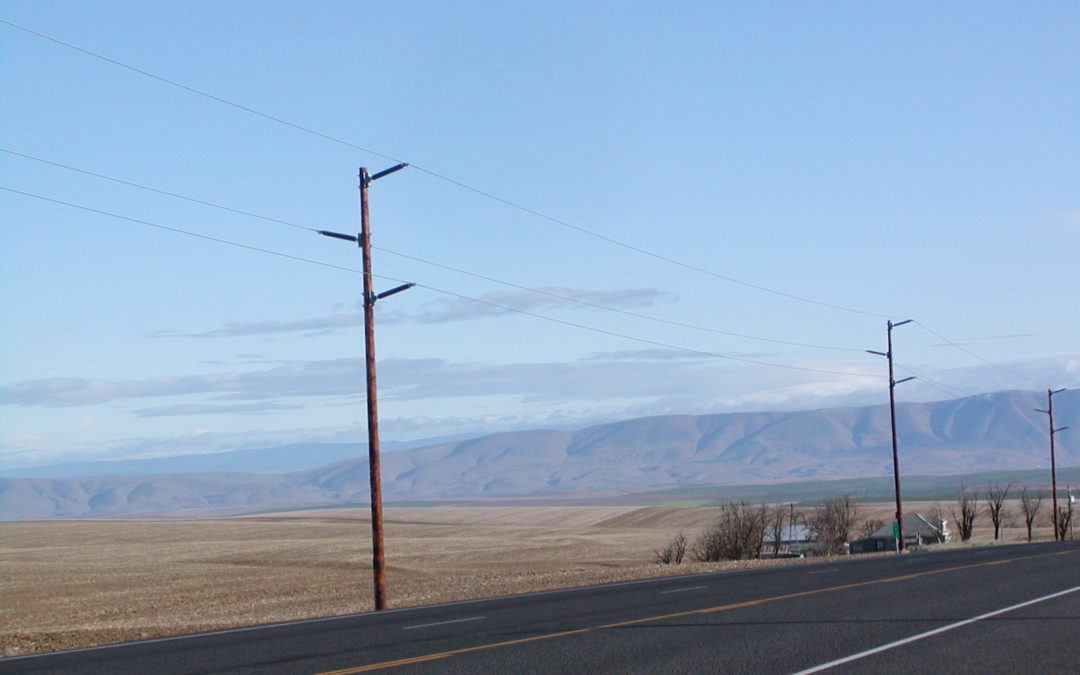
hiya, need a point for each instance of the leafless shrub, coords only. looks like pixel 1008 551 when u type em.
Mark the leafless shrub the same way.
pixel 967 507
pixel 738 534
pixel 1029 504
pixel 995 504
pixel 831 523
pixel 673 553
pixel 870 526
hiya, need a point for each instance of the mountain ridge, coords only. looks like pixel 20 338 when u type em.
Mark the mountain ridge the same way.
pixel 997 431
pixel 276 459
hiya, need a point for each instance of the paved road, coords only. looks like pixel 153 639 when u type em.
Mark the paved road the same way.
pixel 1003 609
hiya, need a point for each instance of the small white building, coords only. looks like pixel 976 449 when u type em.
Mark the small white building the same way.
pixel 794 540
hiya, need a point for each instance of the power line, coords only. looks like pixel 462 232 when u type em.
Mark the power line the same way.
pixel 952 391
pixel 971 353
pixel 945 388
pixel 473 189
pixel 646 341
pixel 177 230
pixel 158 190
pixel 465 186
pixel 608 308
pixel 192 90
pixel 433 263
pixel 443 291
pixel 646 252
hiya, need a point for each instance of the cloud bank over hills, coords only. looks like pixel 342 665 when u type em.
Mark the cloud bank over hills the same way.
pixel 254 402
pixel 979 433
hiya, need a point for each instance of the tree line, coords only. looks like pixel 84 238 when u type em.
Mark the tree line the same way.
pixel 740 532
pixel 1031 501
pixel 746 531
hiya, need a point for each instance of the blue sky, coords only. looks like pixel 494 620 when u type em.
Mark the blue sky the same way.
pixel 913 160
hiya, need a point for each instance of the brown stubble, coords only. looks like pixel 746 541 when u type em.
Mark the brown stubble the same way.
pixel 68 584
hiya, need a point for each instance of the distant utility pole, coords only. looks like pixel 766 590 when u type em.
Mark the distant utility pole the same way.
pixel 1072 500
pixel 378 564
pixel 1053 464
pixel 892 417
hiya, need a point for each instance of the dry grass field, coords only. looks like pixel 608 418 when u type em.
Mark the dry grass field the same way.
pixel 73 583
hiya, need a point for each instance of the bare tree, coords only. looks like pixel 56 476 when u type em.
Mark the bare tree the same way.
pixel 870 526
pixel 937 517
pixel 1065 514
pixel 777 517
pixel 831 523
pixel 995 504
pixel 673 553
pixel 739 534
pixel 1030 504
pixel 968 505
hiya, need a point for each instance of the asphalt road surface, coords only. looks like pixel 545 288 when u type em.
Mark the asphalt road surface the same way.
pixel 1005 609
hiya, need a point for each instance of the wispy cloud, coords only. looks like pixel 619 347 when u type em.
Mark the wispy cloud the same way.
pixel 646 355
pixel 1062 221
pixel 600 388
pixel 592 390
pixel 986 338
pixel 492 304
pixel 36 451
pixel 310 378
pixel 649 375
pixel 401 379
pixel 207 409
pixel 501 303
pixel 238 329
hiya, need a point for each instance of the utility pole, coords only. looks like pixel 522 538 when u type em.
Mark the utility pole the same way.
pixel 1053 465
pixel 791 528
pixel 1071 501
pixel 378 559
pixel 892 418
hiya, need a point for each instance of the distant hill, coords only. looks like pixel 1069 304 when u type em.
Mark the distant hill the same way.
pixel 249 460
pixel 989 432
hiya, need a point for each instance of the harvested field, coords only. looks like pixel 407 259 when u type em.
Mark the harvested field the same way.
pixel 71 584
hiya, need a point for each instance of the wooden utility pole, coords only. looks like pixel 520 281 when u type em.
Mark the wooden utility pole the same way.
pixel 1053 464
pixel 378 558
pixel 892 420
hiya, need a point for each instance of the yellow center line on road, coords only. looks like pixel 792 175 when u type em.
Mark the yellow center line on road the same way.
pixel 661 617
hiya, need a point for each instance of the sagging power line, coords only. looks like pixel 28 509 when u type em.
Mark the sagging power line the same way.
pixel 593 329
pixel 538 291
pixel 458 270
pixel 478 191
pixel 452 181
pixel 159 191
pixel 971 353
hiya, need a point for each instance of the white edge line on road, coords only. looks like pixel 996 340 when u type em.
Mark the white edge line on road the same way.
pixel 683 590
pixel 941 629
pixel 824 571
pixel 443 623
